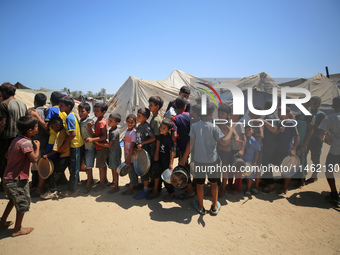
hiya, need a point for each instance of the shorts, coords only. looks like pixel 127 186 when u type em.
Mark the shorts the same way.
pixel 114 158
pixel 90 155
pixel 154 172
pixel 331 162
pixel 18 193
pixel 203 170
pixel 225 156
pixel 101 157
pixel 156 169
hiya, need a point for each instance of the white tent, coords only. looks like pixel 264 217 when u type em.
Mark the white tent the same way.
pixel 26 97
pixel 261 83
pixel 321 86
pixel 135 93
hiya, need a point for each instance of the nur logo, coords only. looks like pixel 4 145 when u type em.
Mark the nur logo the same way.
pixel 238 99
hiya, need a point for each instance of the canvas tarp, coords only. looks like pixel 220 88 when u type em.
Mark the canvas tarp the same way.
pixel 135 93
pixel 261 83
pixel 26 97
pixel 321 86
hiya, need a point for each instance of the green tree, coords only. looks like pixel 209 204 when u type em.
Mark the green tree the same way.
pixel 89 94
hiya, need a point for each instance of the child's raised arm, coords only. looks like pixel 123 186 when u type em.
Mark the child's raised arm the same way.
pixel 34 155
pixel 89 126
pixel 42 123
pixel 226 139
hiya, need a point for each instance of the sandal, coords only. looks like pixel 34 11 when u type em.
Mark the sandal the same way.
pixel 254 191
pixel 214 213
pixel 266 190
pixel 195 205
pixel 247 194
pixel 65 194
pixel 141 194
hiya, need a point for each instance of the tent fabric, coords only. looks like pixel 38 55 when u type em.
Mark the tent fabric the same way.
pixel 321 86
pixel 135 93
pixel 26 97
pixel 260 82
pixel 318 85
pixel 18 85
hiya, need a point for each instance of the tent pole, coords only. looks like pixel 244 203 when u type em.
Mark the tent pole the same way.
pixel 327 73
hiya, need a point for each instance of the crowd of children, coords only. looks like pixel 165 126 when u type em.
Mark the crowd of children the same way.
pixel 68 142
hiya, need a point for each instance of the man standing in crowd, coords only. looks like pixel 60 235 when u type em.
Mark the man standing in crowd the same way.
pixel 183 92
pixel 331 126
pixel 11 110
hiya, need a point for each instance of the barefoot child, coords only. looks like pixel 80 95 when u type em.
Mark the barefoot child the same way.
pixel 100 135
pixel 115 152
pixel 89 155
pixel 129 147
pixel 20 155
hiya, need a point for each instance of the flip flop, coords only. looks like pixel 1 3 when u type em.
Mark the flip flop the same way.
pixel 247 194
pixel 214 213
pixel 254 191
pixel 195 206
pixel 266 190
pixel 65 194
pixel 140 195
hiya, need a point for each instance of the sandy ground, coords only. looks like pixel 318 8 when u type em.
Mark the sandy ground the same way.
pixel 301 222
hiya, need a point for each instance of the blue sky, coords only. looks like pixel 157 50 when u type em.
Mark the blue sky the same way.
pixel 87 45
